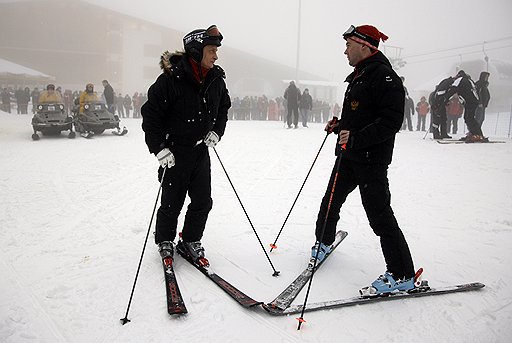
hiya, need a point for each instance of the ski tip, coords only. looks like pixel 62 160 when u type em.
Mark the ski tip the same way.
pixel 125 320
pixel 178 310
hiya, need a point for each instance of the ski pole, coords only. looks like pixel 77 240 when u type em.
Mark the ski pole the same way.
pixel 125 319
pixel 276 273
pixel 428 131
pixel 273 245
pixel 338 162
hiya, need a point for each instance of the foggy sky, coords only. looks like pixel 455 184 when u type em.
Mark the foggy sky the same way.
pixel 268 28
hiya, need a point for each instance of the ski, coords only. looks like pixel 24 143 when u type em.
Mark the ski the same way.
pixel 359 300
pixel 463 142
pixel 283 300
pixel 175 303
pixel 240 297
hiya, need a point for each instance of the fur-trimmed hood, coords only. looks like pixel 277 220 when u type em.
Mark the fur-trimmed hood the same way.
pixel 167 60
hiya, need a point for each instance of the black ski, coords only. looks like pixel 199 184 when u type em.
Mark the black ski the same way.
pixel 417 292
pixel 461 142
pixel 243 299
pixel 175 303
pixel 283 300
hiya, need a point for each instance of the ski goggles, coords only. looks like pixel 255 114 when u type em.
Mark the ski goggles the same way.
pixel 359 37
pixel 213 36
pixel 210 36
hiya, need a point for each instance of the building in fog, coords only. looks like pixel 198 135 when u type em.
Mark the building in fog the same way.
pixel 78 42
pixel 15 74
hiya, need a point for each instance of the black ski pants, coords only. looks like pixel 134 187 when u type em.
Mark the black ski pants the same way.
pixel 191 175
pixel 295 114
pixel 373 185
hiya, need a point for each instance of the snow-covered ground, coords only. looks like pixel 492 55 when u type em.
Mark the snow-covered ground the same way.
pixel 74 215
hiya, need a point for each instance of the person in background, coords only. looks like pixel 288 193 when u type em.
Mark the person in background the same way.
pixel 127 103
pixel 108 93
pixel 50 96
pixel 464 86
pixel 422 108
pixel 87 97
pixel 19 94
pixel 6 100
pixel 186 113
pixel 292 96
pixel 484 96
pixel 438 100
pixel 119 105
pixel 454 110
pixel 305 106
pixel 25 99
pixel 372 114
pixel 408 109
pixel 136 105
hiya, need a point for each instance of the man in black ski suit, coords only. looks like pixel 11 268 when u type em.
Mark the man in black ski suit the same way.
pixel 292 96
pixel 482 89
pixel 373 111
pixel 438 102
pixel 186 113
pixel 108 93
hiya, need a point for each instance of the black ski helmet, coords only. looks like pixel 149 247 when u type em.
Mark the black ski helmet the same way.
pixel 195 41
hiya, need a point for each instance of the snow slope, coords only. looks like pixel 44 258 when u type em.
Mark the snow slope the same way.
pixel 74 215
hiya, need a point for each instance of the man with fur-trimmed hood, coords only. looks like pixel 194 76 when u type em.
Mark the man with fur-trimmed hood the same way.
pixel 186 113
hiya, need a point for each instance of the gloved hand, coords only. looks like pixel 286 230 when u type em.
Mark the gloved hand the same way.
pixel 211 139
pixel 166 158
pixel 331 125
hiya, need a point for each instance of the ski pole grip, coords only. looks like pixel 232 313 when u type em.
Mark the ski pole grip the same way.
pixel 331 125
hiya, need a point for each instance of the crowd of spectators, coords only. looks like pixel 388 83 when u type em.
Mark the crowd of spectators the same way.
pixel 17 100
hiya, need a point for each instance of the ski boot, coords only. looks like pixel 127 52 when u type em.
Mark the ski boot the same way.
pixel 385 285
pixel 322 253
pixel 166 249
pixel 436 133
pixel 195 251
pixel 470 138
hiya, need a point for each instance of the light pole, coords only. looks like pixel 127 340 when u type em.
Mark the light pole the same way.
pixel 298 46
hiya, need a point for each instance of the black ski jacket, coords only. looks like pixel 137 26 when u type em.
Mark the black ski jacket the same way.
pixel 108 92
pixel 180 110
pixel 373 111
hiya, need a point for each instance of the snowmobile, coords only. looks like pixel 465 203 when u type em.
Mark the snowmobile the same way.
pixel 96 119
pixel 51 119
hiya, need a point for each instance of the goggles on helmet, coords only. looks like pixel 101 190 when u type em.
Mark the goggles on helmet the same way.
pixel 210 36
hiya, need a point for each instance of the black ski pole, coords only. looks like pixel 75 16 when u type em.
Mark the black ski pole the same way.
pixel 276 273
pixel 125 319
pixel 338 162
pixel 273 245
